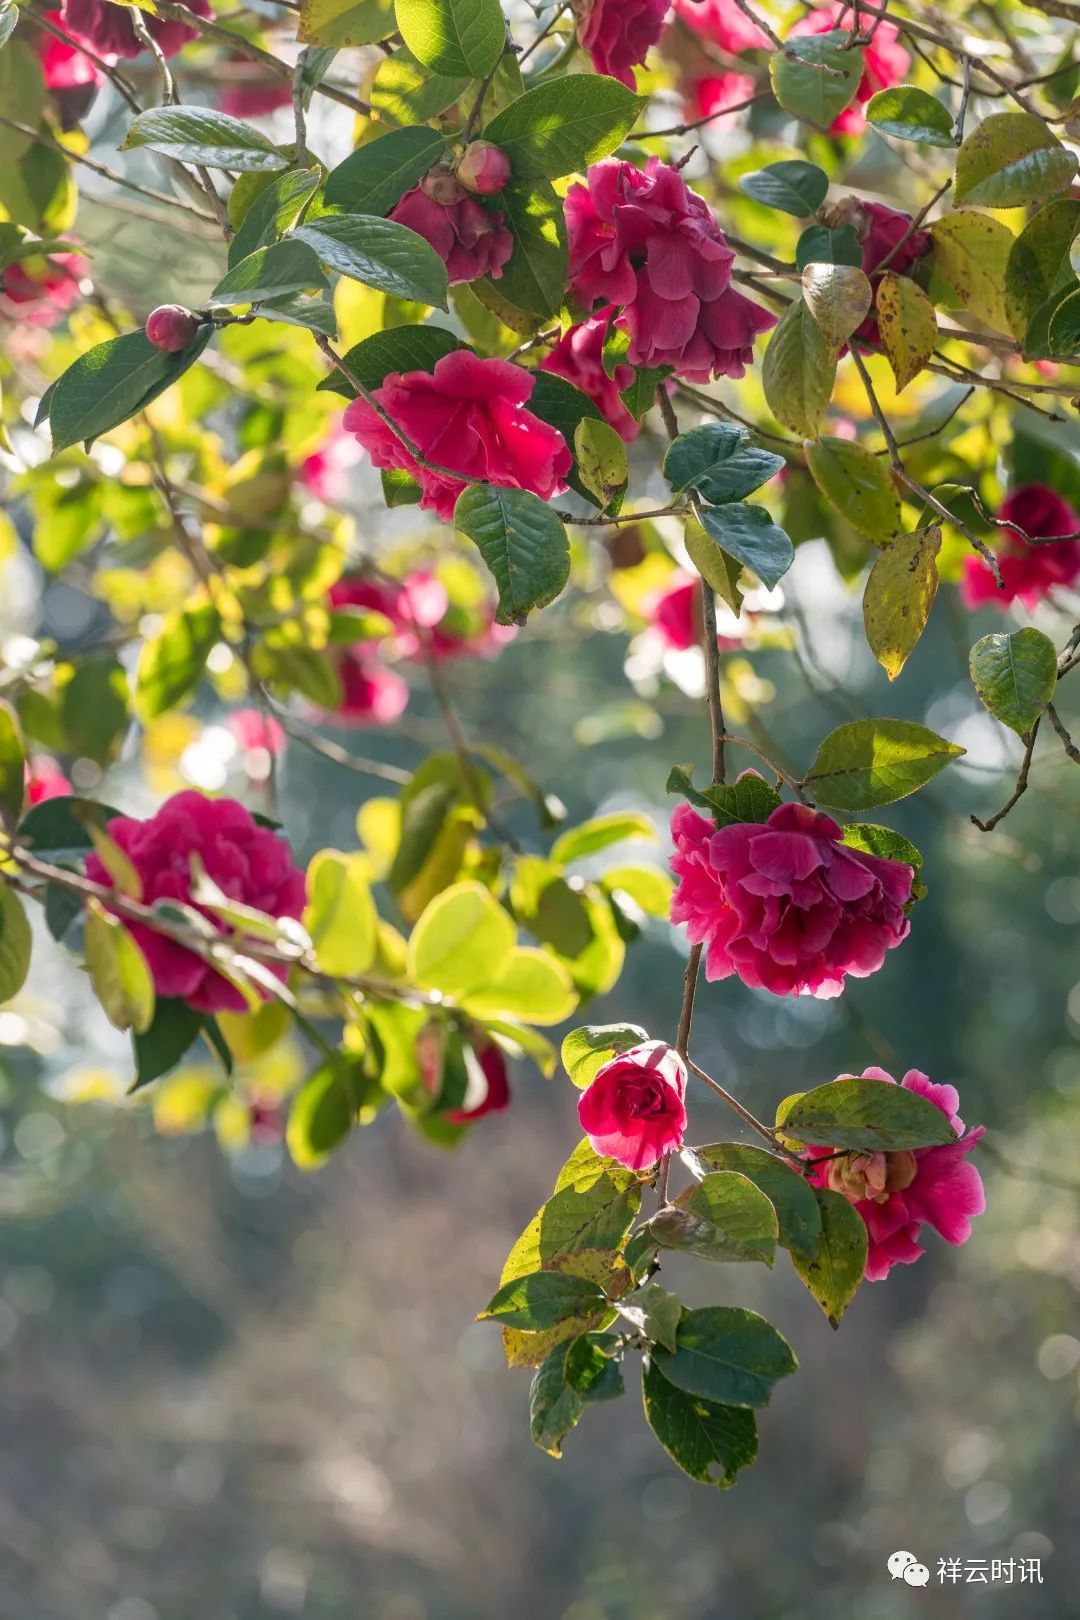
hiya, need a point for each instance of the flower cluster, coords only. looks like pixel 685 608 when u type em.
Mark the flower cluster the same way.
pixel 783 903
pixel 39 291
pixel 108 28
pixel 643 241
pixel 1030 572
pixel 469 237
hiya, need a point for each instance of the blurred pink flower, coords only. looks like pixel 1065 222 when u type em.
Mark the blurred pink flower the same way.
pixel 708 94
pixel 40 291
pixel 899 1193
pixel 1030 572
pixel 640 239
pixel 723 24
pixel 254 730
pixel 783 904
pixel 493 1066
pixel 371 694
pixel 64 67
pixel 675 613
pixel 248 862
pixel 885 61
pixel 469 238
pixel 45 780
pixel 324 471
pixel 618 34
pixel 633 1110
pixel 107 28
pixel 249 92
pixel 579 357
pixel 469 416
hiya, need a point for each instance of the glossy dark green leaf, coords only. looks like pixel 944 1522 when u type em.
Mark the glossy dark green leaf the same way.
pixel 523 543
pixel 377 175
pixel 397 349
pixel 204 135
pixel 833 1273
pixel 271 272
pixel 709 1441
pixel 789 1193
pixel 563 125
pixel 109 383
pixel 379 253
pixel 866 1116
pixel 720 462
pixel 749 534
pixel 728 1355
pixel 792 185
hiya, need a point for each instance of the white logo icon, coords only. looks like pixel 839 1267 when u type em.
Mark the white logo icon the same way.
pixel 905 1566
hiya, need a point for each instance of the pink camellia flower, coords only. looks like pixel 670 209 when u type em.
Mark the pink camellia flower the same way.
pixel 249 93
pixel 492 1064
pixel 676 614
pixel 64 66
pixel 885 61
pixel 469 238
pixel 579 357
pixel 634 1110
pixel 899 1193
pixel 468 415
pixel 253 730
pixel 721 23
pixel 644 241
pixel 324 471
pixel 108 30
pixel 45 780
pixel 248 863
pixel 881 230
pixel 783 904
pixel 618 34
pixel 371 694
pixel 709 95
pixel 413 605
pixel 39 291
pixel 1030 572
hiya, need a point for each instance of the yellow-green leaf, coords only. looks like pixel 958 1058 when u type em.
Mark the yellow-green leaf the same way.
pixel 899 595
pixel 118 971
pixel 859 485
pixel 798 371
pixel 340 915
pixel 461 942
pixel 971 251
pixel 908 326
pixel 838 296
pixel 532 986
pixel 601 459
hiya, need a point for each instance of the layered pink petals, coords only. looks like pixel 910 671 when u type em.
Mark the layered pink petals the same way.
pixel 897 1194
pixel 885 61
pixel 783 904
pixel 249 863
pixel 634 1109
pixel 643 241
pixel 1030 572
pixel 468 415
pixel 108 29
pixel 579 357
pixel 471 240
pixel 618 34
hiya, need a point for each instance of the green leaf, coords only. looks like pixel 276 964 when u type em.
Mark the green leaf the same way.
pixel 653 1312
pixel 109 383
pixel 865 1116
pixel 867 763
pixel 532 986
pixel 174 1030
pixel 798 371
pixel 592 1207
pixel 12 768
pixel 377 175
pixel 821 245
pixel 899 595
pixel 404 91
pixel 720 462
pixel 802 89
pixel 911 114
pixel 749 534
pixel 462 940
pixel 15 943
pixel 838 296
pixel 748 799
pixel 834 1272
pixel 1012 159
pixel 118 970
pixel 881 841
pixel 202 135
pixel 723 1217
pixel 793 186
pixel 340 915
pixel 1015 676
pixel 314 314
pixel 322 1114
pixel 543 1299
pixel 971 251
pixel 712 562
pixel 453 36
pixel 523 543
pixel 274 211
pixel 534 278
pixel 564 407
pixel 586 1050
pixel 792 1197
pixel 562 126
pixel 1063 331
pixel 1038 270
pixel 270 272
pixel 907 325
pixel 858 484
pixel 728 1355
pixel 58 829
pixel 600 456
pixel 171 664
pixel 345 22
pixel 708 1441
pixel 591 1368
pixel 555 1406
pixel 379 253
pixel 600 833
pixel 397 349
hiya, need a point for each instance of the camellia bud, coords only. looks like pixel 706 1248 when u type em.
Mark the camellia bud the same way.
pixel 484 168
pixel 171 327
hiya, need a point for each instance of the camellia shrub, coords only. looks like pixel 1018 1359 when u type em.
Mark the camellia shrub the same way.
pixel 623 303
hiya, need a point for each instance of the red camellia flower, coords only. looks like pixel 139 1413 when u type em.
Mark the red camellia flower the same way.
pixel 634 1110
pixel 469 416
pixel 880 231
pixel 645 242
pixel 248 863
pixel 885 61
pixel 676 614
pixel 45 780
pixel 579 357
pixel 493 1075
pixel 40 291
pixel 721 23
pixel 783 904
pixel 108 30
pixel 1030 572
pixel 371 694
pixel 469 238
pixel 64 67
pixel 249 93
pixel 897 1194
pixel 618 34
